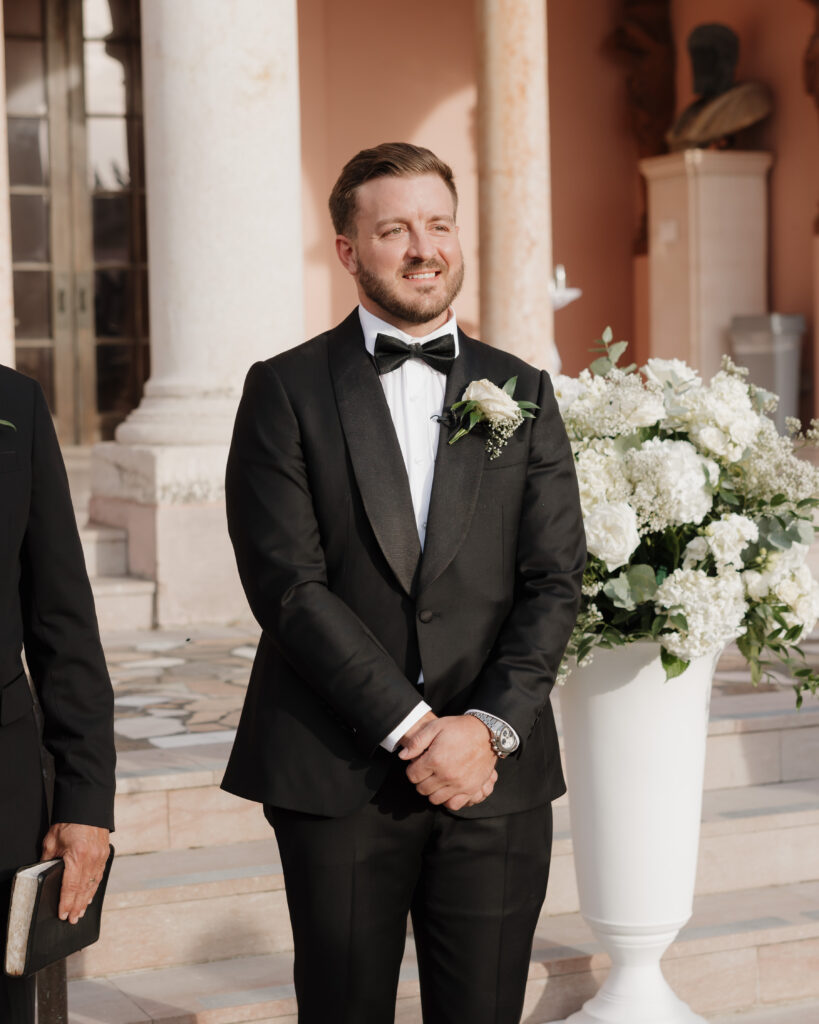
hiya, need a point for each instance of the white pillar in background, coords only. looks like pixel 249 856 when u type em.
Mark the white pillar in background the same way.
pixel 223 181
pixel 6 299
pixel 223 178
pixel 514 183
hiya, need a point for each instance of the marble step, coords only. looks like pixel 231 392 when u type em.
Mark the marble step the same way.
pixel 186 905
pixel 123 602
pixel 795 1013
pixel 168 796
pixel 105 549
pixel 750 950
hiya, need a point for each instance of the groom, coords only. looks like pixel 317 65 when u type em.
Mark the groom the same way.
pixel 415 599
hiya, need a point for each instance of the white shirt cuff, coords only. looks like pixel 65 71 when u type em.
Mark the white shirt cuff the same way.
pixel 391 742
pixel 503 721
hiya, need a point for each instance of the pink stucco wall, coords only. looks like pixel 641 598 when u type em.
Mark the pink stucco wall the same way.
pixel 372 72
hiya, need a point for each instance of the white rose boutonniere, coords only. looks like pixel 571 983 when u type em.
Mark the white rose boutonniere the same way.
pixel 485 402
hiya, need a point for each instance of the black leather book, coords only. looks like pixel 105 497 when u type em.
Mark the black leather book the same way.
pixel 36 936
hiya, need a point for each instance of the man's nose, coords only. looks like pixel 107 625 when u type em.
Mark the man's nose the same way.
pixel 420 246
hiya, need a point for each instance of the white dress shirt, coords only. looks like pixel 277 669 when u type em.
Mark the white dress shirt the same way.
pixel 415 396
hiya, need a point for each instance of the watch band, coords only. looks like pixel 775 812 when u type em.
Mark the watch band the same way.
pixel 502 737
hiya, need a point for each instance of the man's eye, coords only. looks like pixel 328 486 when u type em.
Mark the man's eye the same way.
pixel 441 227
pixel 397 230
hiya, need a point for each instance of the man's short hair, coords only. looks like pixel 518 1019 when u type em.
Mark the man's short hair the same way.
pixel 389 160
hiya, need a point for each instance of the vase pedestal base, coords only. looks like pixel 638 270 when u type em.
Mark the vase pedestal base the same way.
pixel 635 995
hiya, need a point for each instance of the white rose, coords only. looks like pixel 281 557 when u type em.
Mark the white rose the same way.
pixel 670 371
pixel 611 533
pixel 493 402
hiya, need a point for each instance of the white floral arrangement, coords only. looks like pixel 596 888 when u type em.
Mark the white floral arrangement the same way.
pixel 698 516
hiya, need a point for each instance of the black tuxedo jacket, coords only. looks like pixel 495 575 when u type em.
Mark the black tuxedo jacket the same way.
pixel 320 515
pixel 46 605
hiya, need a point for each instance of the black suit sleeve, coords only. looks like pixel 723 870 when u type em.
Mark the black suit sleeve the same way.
pixel 62 642
pixel 275 536
pixel 518 676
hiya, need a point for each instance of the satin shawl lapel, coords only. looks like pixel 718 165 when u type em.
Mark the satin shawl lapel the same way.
pixel 458 471
pixel 374 451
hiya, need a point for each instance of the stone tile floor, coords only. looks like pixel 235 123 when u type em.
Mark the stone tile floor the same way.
pixel 180 689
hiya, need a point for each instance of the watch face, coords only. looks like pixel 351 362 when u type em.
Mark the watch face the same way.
pixel 507 739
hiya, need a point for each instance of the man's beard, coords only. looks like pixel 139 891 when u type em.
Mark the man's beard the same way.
pixel 423 308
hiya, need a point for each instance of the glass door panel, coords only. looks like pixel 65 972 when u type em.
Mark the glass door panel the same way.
pixel 30 175
pixel 79 247
pixel 115 180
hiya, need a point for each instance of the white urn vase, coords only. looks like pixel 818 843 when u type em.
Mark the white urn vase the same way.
pixel 635 758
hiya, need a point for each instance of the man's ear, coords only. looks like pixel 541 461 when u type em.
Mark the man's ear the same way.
pixel 346 254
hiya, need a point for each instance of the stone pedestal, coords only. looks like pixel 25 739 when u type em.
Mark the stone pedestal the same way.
pixel 708 250
pixel 6 303
pixel 225 256
pixel 513 180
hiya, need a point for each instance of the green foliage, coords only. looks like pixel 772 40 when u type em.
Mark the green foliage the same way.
pixel 673 665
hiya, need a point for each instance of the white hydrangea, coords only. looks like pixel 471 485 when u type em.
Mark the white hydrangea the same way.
pixel 670 481
pixel 800 592
pixel 601 475
pixel 720 417
pixel 567 391
pixel 611 533
pixel 614 405
pixel 771 467
pixel 713 606
pixel 728 537
pixel 761 580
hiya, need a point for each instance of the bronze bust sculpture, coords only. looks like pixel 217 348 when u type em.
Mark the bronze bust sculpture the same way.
pixel 723 108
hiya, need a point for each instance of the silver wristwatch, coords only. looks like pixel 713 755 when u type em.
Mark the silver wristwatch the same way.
pixel 502 737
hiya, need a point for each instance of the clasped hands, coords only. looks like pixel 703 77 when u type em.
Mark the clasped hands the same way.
pixel 451 760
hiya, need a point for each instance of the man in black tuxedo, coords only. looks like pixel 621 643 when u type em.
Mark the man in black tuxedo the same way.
pixel 47 608
pixel 415 599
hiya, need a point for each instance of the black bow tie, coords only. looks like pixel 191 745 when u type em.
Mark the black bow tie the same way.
pixel 390 353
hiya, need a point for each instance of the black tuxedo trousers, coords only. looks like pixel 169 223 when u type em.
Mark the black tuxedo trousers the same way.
pixel 46 605
pixel 321 519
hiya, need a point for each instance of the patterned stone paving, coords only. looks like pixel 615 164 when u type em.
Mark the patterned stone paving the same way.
pixel 176 688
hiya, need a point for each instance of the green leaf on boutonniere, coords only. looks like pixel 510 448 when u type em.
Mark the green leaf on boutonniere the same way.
pixel 495 406
pixel 7 423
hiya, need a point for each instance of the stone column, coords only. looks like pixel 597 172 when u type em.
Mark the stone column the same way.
pixel 6 300
pixel 513 178
pixel 221 105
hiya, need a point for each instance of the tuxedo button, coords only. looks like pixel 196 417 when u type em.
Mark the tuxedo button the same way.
pixel 426 615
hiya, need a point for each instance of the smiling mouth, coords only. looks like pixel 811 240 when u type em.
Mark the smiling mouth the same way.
pixel 424 275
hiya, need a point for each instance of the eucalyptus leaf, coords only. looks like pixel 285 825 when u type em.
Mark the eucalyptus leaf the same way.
pixel 642 583
pixel 607 336
pixel 510 385
pixel 618 591
pixel 600 367
pixel 616 350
